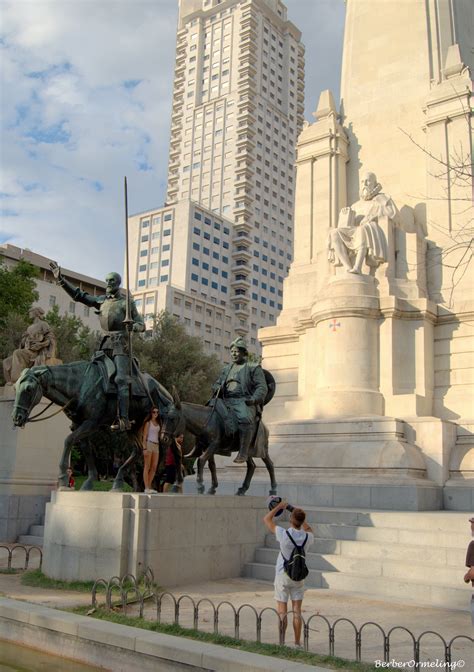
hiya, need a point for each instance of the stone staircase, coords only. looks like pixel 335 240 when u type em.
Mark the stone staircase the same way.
pixel 34 537
pixel 410 557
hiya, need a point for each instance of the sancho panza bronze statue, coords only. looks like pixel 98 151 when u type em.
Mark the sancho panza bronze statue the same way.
pixel 111 308
pixel 243 388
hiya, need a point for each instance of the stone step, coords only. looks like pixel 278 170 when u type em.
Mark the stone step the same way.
pixel 409 592
pixel 390 535
pixel 36 530
pixel 373 550
pixel 30 540
pixel 428 521
pixel 407 570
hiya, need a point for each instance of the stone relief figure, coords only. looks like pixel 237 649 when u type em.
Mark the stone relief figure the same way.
pixel 358 236
pixel 38 346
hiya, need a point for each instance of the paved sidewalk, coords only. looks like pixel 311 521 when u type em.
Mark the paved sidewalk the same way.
pixel 332 604
pixel 10 586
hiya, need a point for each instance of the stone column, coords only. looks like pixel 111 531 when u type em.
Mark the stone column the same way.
pixel 320 194
pixel 346 346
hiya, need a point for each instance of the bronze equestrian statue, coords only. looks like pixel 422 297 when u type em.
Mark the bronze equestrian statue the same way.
pixel 230 422
pixel 79 389
pixel 100 394
pixel 111 308
pixel 239 394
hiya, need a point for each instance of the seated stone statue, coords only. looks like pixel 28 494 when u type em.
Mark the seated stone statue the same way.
pixel 38 346
pixel 358 236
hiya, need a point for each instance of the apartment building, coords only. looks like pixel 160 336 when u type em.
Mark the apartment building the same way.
pixel 238 105
pixel 180 261
pixel 51 294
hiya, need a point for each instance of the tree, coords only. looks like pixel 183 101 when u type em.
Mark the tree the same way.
pixel 174 358
pixel 17 289
pixel 75 341
pixel 17 295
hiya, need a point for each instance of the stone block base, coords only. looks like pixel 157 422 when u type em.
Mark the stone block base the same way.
pixel 459 495
pixel 421 496
pixel 18 513
pixel 28 466
pixel 183 539
pixel 350 462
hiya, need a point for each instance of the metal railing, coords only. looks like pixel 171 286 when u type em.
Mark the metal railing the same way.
pixel 26 550
pixel 130 586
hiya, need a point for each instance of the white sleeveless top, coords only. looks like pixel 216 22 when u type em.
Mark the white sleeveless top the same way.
pixel 153 431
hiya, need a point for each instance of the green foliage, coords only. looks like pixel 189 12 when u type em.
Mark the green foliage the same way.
pixel 100 486
pixel 12 328
pixel 272 650
pixel 17 289
pixel 254 359
pixel 17 294
pixel 75 341
pixel 174 358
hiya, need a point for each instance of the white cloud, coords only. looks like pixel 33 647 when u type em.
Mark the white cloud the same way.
pixel 86 99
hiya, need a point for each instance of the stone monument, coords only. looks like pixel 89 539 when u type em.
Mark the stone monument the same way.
pixel 372 353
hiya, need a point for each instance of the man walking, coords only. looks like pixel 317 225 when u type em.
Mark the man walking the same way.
pixel 469 575
pixel 285 588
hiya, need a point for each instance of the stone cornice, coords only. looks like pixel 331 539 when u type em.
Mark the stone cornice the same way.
pixel 279 335
pixel 330 313
pixel 444 117
pixel 455 318
pixel 395 312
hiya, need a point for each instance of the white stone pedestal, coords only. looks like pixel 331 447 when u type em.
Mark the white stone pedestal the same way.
pixel 365 463
pixel 28 466
pixel 182 538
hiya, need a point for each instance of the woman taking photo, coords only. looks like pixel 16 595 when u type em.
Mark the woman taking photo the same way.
pixel 150 442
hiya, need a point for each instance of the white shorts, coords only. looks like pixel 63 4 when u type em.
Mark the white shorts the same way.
pixel 286 588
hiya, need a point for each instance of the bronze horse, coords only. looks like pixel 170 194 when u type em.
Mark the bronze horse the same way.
pixel 211 439
pixel 78 389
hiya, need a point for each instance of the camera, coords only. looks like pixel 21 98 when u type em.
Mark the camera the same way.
pixel 274 501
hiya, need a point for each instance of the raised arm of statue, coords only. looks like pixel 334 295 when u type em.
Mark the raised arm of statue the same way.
pixel 74 292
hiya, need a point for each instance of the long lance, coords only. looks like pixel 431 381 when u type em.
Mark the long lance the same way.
pixel 128 318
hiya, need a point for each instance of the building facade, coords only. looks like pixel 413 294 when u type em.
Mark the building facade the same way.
pixel 180 261
pixel 238 105
pixel 51 294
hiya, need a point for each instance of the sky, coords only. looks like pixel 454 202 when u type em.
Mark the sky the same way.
pixel 85 96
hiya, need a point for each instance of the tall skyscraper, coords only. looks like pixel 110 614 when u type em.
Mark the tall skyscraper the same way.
pixel 238 105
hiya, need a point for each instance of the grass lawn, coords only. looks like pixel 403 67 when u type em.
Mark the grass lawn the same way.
pixel 272 650
pixel 36 579
pixel 99 485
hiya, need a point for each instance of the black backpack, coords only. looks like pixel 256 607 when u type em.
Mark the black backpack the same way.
pixel 295 566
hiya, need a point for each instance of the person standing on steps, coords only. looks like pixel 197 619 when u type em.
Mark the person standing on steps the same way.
pixel 469 575
pixel 300 534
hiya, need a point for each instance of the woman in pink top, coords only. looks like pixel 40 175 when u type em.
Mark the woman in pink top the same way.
pixel 150 441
